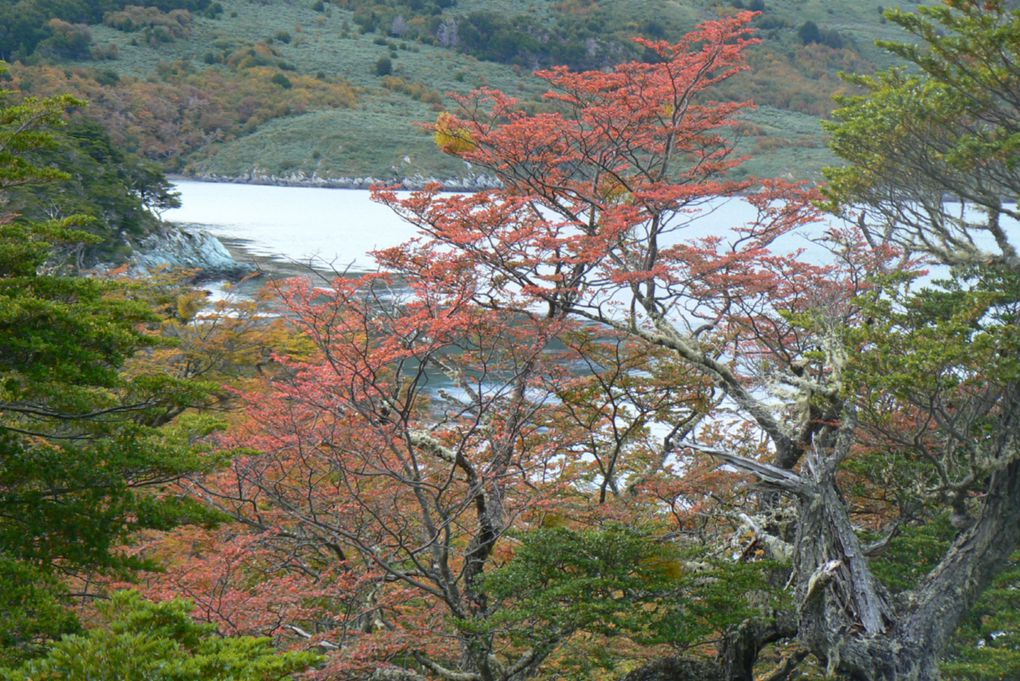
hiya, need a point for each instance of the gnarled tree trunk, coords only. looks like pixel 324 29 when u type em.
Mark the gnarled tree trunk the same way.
pixel 845 616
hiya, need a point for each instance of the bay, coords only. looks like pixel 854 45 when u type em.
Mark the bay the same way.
pixel 288 227
pixel 286 230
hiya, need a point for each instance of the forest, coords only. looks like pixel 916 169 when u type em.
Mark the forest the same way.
pixel 575 429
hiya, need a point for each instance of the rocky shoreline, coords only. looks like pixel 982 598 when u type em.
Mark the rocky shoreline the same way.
pixel 300 179
pixel 170 247
pixel 188 248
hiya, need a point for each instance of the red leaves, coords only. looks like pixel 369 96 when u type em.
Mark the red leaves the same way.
pixel 603 191
pixel 436 415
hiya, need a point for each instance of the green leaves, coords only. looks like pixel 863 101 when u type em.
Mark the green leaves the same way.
pixel 950 127
pixel 138 640
pixel 32 603
pixel 591 579
pixel 987 645
pixel 941 337
pixel 84 444
pixel 619 581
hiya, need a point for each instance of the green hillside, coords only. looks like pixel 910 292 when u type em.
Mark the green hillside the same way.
pixel 306 89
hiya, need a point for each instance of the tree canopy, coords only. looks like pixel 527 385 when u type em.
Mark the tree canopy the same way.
pixel 580 426
pixel 81 440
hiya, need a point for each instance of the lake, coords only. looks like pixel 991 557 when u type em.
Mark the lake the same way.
pixel 284 229
pixel 291 225
pixel 288 226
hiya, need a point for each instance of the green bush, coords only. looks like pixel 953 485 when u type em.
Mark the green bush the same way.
pixel 138 640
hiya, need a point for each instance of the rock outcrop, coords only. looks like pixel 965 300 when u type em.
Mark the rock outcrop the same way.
pixel 301 179
pixel 190 248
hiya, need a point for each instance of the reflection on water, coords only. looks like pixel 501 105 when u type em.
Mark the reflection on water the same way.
pixel 289 231
pixel 332 228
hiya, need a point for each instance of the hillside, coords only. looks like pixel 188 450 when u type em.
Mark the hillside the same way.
pixel 306 88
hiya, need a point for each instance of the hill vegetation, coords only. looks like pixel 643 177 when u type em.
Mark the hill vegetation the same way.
pixel 566 431
pixel 335 88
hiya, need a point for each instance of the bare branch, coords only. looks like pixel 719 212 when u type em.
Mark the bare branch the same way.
pixel 767 473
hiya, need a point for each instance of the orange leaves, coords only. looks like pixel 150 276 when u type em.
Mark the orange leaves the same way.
pixel 598 188
pixel 170 119
pixel 540 353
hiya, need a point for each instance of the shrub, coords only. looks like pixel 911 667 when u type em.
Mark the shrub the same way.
pixel 140 639
pixel 157 25
pixel 105 52
pixel 69 41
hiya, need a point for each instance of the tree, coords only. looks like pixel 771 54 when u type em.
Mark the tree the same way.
pixel 411 495
pixel 948 131
pixel 702 356
pixel 134 639
pixel 119 192
pixel 590 225
pixel 748 321
pixel 932 168
pixel 381 504
pixel 391 511
pixel 80 442
pixel 809 33
pixel 610 582
pixel 383 67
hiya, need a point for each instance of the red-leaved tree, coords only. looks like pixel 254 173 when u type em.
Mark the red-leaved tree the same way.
pixel 589 342
pixel 605 215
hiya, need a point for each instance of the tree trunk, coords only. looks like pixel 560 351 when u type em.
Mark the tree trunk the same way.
pixel 846 617
pixel 740 646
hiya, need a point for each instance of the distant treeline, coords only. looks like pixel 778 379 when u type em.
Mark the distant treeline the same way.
pixel 30 25
pixel 580 34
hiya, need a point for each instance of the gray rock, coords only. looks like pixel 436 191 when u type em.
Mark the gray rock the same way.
pixel 176 247
pixel 468 183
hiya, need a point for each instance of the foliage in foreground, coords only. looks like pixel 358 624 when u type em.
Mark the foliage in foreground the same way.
pixel 84 448
pixel 603 363
pixel 136 640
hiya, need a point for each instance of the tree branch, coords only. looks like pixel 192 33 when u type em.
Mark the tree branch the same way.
pixel 767 473
pixel 444 673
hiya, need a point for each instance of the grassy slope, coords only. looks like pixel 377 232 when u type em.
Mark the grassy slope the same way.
pixel 379 138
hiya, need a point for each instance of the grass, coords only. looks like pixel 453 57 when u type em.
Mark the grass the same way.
pixel 380 137
pixel 340 143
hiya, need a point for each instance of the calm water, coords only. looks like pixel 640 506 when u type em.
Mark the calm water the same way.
pixel 287 228
pixel 337 227
pixel 328 227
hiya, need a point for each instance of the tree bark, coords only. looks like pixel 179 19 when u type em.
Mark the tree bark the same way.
pixel 846 617
pixel 740 646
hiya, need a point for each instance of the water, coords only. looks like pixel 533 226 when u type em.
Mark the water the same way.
pixel 287 229
pixel 288 226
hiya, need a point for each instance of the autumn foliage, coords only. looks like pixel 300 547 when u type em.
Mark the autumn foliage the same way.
pixel 591 356
pixel 468 396
pixel 165 121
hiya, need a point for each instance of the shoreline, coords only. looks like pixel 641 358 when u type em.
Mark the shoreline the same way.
pixel 412 183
